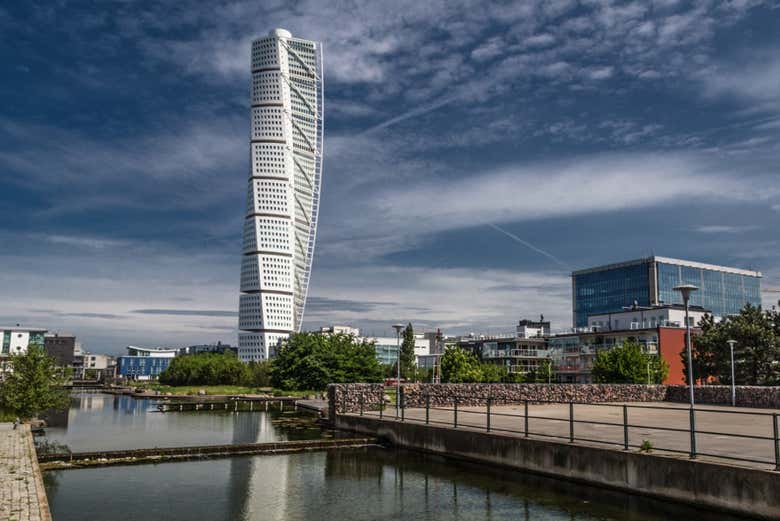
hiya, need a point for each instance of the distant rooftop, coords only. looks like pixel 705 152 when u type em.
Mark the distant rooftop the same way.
pixel 17 327
pixel 668 260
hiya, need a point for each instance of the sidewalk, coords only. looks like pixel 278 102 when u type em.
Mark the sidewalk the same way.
pixel 22 497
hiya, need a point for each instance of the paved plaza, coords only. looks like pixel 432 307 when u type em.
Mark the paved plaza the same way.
pixel 22 497
pixel 714 424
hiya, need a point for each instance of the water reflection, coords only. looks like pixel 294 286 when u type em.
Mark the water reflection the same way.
pixel 351 484
pixel 98 421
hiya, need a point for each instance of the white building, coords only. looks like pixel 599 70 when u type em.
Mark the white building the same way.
pixel 283 190
pixel 16 339
pixel 643 317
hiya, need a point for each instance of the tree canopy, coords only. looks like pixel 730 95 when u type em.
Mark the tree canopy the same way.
pixel 628 364
pixel 312 361
pixel 408 360
pixel 215 369
pixel 461 366
pixel 34 384
pixel 756 352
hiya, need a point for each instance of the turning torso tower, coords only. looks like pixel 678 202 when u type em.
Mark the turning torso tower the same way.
pixel 283 190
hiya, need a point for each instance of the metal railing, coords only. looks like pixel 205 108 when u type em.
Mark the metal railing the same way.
pixel 523 422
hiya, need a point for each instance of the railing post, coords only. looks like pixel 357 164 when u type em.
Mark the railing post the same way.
pixel 427 408
pixel 455 416
pixel 488 415
pixel 571 422
pixel 526 418
pixel 625 427
pixel 403 404
pixel 776 428
pixel 361 404
pixel 693 433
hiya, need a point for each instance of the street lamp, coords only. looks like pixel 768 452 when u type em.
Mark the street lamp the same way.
pixel 398 328
pixel 686 290
pixel 731 344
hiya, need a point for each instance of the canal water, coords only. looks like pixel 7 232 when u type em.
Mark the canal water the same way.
pixel 339 485
pixel 98 421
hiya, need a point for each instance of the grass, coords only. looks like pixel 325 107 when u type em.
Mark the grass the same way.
pixel 211 390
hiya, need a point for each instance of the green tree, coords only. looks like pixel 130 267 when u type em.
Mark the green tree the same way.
pixel 460 366
pixel 628 364
pixel 757 348
pixel 493 373
pixel 408 360
pixel 312 361
pixel 206 369
pixel 34 385
pixel 542 374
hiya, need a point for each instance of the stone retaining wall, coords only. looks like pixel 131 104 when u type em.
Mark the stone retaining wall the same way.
pixel 747 395
pixel 347 397
pixel 344 398
pixel 415 395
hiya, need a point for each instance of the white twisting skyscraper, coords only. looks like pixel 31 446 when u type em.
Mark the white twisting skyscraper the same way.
pixel 283 192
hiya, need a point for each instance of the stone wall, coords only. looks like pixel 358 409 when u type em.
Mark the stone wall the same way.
pixel 348 397
pixel 344 398
pixel 415 395
pixel 747 396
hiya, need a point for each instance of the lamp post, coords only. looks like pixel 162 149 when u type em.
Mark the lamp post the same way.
pixel 686 290
pixel 398 328
pixel 731 344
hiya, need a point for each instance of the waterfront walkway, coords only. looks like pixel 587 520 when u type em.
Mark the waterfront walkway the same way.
pixel 22 496
pixel 724 434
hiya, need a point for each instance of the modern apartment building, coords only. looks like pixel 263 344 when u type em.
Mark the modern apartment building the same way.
pixel 650 281
pixel 142 363
pixel 283 190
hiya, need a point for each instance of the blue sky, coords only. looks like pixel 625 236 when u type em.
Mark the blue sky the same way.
pixel 474 155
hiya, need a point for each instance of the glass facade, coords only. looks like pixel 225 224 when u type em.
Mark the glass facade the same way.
pixel 142 366
pixel 724 293
pixel 386 354
pixel 610 290
pixel 651 281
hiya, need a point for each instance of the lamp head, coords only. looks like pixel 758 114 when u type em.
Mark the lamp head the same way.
pixel 686 290
pixel 731 343
pixel 398 327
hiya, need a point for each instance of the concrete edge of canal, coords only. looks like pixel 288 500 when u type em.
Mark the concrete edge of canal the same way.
pixel 22 494
pixel 43 502
pixel 737 490
pixel 160 455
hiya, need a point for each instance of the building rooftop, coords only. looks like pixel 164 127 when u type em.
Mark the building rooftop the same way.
pixel 17 327
pixel 668 260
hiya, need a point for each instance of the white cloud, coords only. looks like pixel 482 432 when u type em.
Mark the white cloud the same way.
pixel 539 40
pixel 601 73
pixel 754 79
pixel 726 228
pixel 456 300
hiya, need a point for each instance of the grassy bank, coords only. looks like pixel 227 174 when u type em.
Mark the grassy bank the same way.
pixel 212 390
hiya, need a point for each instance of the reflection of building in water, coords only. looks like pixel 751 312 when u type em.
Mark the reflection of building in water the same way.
pixel 255 481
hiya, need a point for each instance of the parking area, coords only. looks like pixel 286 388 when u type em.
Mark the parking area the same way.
pixel 740 436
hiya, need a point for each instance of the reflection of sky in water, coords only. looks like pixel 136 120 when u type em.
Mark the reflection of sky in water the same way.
pixel 339 485
pixel 104 422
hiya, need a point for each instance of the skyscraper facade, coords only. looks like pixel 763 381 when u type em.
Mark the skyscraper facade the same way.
pixel 650 282
pixel 283 190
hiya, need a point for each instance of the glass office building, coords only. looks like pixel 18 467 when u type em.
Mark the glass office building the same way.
pixel 651 281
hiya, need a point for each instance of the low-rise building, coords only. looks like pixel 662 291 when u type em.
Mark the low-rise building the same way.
pixel 219 348
pixel 643 317
pixel 61 348
pixel 15 341
pixel 144 363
